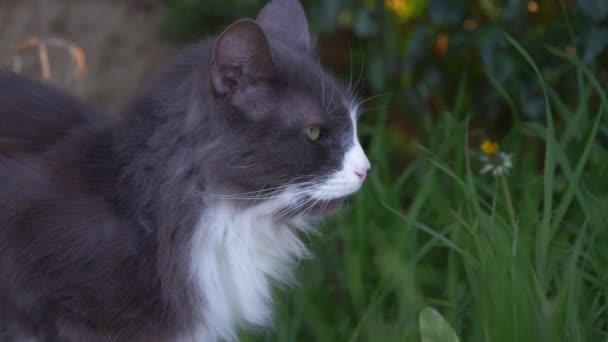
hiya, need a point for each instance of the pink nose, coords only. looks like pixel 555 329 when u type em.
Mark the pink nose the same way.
pixel 361 174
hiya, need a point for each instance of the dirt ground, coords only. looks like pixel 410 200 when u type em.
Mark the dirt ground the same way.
pixel 120 39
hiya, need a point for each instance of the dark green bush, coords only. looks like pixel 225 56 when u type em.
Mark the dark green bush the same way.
pixel 420 50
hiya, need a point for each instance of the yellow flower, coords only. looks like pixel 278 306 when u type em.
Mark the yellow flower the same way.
pixel 397 6
pixel 489 148
pixel 495 161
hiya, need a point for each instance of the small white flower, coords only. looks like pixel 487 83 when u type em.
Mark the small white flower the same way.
pixel 495 161
pixel 499 164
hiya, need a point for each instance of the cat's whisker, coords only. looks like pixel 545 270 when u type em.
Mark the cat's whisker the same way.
pixel 291 209
pixel 312 205
pixel 242 166
pixel 350 90
pixel 369 109
pixel 280 187
pixel 285 211
pixel 325 204
pixel 360 103
pixel 361 73
pixel 237 197
pixel 300 189
pixel 356 106
pixel 307 207
pixel 334 108
pixel 350 80
pixel 257 193
pixel 282 194
pixel 247 198
pixel 286 193
pixel 282 212
pixel 354 90
pixel 322 87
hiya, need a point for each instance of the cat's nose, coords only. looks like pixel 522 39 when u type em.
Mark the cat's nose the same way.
pixel 362 173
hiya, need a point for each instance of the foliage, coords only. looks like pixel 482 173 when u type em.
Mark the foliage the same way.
pixel 186 20
pixel 418 50
pixel 440 234
pixel 434 328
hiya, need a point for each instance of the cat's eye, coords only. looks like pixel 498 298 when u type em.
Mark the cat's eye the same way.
pixel 313 132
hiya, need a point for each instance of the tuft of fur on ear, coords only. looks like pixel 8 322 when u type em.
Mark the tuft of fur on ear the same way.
pixel 286 20
pixel 241 54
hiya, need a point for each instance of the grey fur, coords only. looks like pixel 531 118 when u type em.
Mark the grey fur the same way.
pixel 95 215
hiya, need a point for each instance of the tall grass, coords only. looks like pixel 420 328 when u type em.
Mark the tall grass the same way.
pixel 439 234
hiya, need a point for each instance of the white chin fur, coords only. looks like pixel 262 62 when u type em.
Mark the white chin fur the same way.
pixel 237 254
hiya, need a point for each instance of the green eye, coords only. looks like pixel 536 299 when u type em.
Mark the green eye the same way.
pixel 313 133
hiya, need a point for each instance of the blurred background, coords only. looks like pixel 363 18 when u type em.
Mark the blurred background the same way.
pixel 515 258
pixel 416 50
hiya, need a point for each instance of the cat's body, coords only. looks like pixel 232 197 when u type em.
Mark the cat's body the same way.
pixel 34 117
pixel 174 223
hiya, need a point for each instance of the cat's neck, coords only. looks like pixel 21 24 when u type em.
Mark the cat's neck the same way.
pixel 237 253
pixel 155 144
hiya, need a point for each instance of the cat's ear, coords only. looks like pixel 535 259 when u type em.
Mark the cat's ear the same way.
pixel 286 20
pixel 241 54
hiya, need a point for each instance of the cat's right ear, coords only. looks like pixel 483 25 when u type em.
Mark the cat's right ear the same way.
pixel 286 20
pixel 240 56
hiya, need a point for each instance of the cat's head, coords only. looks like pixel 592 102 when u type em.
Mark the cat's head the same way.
pixel 290 127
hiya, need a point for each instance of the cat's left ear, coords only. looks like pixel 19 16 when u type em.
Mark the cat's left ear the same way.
pixel 240 56
pixel 286 20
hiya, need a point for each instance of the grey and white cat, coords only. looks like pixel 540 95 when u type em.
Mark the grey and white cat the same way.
pixel 174 223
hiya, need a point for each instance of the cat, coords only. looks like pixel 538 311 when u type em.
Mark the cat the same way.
pixel 175 222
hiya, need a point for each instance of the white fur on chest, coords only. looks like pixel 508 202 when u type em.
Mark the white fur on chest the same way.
pixel 236 255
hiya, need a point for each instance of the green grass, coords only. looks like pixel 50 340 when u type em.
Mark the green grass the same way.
pixel 434 232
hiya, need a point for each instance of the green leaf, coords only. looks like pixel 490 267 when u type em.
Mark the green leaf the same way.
pixel 325 15
pixel 515 9
pixel 364 25
pixel 434 328
pixel 445 12
pixel 496 58
pixel 594 9
pixel 532 104
pixel 596 43
pixel 377 72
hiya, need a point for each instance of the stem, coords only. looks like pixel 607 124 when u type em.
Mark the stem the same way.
pixel 505 190
pixel 507 193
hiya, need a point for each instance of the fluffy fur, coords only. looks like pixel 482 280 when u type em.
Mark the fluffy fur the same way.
pixel 174 223
pixel 235 267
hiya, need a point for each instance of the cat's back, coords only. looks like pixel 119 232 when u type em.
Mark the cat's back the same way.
pixel 67 255
pixel 34 116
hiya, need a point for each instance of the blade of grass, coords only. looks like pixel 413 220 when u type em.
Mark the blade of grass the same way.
pixel 431 232
pixel 543 240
